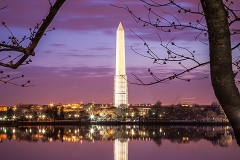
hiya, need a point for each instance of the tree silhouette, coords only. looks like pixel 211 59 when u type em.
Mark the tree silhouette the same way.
pixel 158 104
pixel 9 113
pixel 215 24
pixel 61 115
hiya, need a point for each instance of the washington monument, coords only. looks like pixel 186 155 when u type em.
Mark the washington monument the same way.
pixel 120 79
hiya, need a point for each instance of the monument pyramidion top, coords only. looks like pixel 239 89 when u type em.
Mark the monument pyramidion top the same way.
pixel 120 27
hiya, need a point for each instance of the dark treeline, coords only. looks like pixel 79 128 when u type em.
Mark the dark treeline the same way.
pixel 94 112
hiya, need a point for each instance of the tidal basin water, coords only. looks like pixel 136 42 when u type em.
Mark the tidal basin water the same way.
pixel 118 143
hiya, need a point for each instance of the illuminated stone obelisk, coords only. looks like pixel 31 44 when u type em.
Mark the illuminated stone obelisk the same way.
pixel 120 78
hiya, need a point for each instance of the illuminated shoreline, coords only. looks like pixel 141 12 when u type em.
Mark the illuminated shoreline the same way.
pixel 59 122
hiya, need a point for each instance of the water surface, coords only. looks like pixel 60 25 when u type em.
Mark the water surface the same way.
pixel 118 143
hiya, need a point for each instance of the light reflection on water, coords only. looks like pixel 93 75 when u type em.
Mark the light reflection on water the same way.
pixel 118 142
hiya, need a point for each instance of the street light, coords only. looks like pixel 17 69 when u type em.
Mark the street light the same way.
pixel 91 116
pixel 41 117
pixel 132 132
pixel 14 117
pixel 91 130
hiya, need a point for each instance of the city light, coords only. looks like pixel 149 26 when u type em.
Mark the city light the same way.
pixel 92 116
pixel 99 113
pixel 75 131
pixel 91 130
pixel 132 132
pixel 76 116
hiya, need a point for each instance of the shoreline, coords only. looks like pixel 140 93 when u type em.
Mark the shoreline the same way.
pixel 34 123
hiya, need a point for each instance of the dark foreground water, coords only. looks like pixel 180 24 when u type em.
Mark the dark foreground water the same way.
pixel 118 143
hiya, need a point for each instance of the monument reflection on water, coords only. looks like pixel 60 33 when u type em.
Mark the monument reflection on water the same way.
pixel 120 149
pixel 221 136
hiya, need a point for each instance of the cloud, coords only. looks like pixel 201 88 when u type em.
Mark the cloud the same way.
pixel 73 84
pixel 58 45
pixel 77 15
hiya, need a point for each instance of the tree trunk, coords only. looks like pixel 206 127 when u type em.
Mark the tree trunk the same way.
pixel 222 75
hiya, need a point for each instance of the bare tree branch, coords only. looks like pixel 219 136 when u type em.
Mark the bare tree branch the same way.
pixel 35 37
pixel 3 7
pixel 7 79
pixel 236 46
pixel 174 76
pixel 156 13
pixel 20 54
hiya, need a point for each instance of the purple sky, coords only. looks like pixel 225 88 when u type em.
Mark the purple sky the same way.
pixel 76 62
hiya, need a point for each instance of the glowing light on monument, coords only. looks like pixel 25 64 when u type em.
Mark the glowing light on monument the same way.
pixel 120 78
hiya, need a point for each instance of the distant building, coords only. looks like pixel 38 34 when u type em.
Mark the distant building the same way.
pixel 3 108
